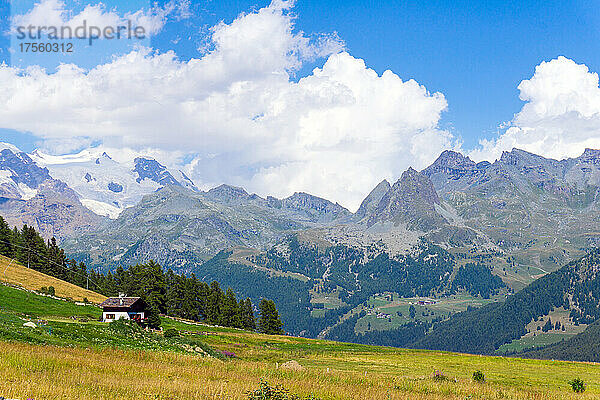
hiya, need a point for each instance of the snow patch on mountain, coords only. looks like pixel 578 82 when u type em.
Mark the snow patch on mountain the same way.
pixel 10 147
pixel 100 208
pixel 26 192
pixel 106 186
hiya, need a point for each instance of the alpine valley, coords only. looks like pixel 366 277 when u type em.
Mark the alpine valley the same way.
pixel 503 251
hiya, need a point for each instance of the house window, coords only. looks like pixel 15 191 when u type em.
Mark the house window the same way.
pixel 110 316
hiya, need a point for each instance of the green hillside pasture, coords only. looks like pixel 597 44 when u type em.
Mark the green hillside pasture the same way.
pixel 443 307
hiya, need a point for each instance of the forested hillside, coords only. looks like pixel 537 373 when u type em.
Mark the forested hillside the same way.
pixel 582 347
pixel 164 291
pixel 576 287
pixel 299 275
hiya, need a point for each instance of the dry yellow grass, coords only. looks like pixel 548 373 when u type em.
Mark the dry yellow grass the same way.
pixel 331 371
pixel 46 372
pixel 16 274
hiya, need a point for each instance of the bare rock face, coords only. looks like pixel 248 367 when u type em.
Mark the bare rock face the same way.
pixel 453 171
pixel 315 208
pixel 21 169
pixel 370 203
pixel 228 194
pixel 411 200
pixel 55 211
pixel 147 168
pixel 29 195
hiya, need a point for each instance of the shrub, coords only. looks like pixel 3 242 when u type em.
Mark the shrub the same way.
pixel 171 333
pixel 50 291
pixel 478 376
pixel 125 327
pixel 577 385
pixel 267 392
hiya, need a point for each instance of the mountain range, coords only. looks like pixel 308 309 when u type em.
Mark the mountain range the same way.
pixel 454 227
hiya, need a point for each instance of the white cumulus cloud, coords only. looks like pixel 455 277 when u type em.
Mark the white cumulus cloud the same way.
pixel 236 115
pixel 55 13
pixel 561 116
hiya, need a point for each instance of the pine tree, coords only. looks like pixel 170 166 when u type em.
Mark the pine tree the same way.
pixel 6 240
pixel 110 286
pixel 547 326
pixel 214 304
pixel 247 312
pixel 152 317
pixel 412 311
pixel 148 281
pixel 230 312
pixel 269 322
pixel 175 294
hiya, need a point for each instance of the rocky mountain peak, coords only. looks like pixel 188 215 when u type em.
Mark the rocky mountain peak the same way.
pixel 304 200
pixel 518 157
pixel 22 168
pixel 591 156
pixel 370 202
pixel 414 183
pixel 227 193
pixel 320 210
pixel 147 168
pixel 411 200
pixel 453 160
pixel 451 170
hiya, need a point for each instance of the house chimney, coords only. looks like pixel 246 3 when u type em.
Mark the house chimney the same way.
pixel 120 301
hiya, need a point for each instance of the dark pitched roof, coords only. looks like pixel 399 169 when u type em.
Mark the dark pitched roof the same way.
pixel 124 302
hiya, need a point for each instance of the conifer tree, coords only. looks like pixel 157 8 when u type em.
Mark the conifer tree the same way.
pixel 269 322
pixel 6 239
pixel 230 311
pixel 214 304
pixel 247 315
pixel 152 317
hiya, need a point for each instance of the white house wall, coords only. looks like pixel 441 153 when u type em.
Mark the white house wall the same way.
pixel 118 315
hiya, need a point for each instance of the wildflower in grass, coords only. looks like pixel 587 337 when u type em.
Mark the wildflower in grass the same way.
pixel 439 375
pixel 228 354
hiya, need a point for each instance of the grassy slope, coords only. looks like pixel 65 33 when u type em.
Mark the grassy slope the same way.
pixel 90 360
pixel 64 323
pixel 582 347
pixel 19 275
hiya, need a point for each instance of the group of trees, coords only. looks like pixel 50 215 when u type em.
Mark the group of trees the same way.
pixel 401 336
pixel 478 280
pixel 28 248
pixel 421 273
pixel 581 347
pixel 548 326
pixel 164 291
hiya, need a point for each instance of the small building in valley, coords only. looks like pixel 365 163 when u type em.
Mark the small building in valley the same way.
pixel 122 307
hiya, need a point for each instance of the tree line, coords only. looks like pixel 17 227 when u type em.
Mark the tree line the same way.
pixel 163 291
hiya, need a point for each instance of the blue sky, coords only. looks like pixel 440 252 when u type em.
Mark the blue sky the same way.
pixel 475 52
pixel 249 110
